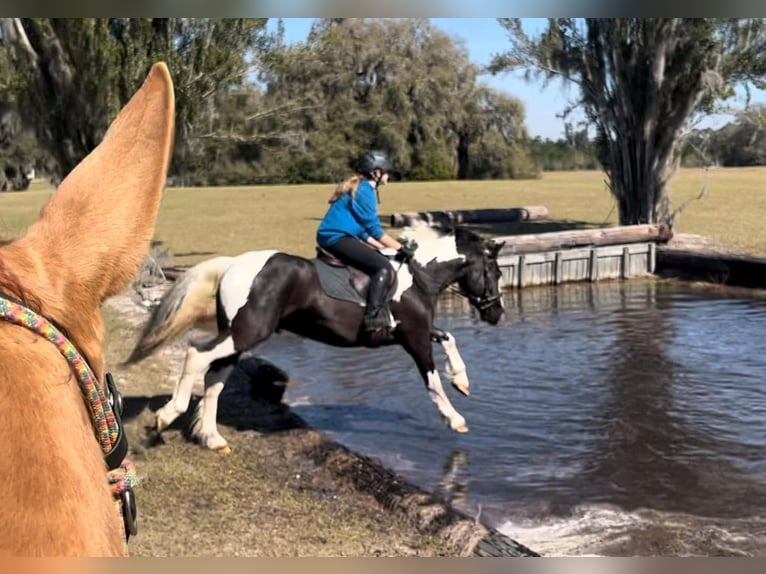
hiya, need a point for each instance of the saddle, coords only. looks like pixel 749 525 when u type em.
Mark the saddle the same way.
pixel 345 282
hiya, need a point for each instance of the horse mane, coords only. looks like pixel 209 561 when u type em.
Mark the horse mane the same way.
pixel 438 243
pixel 434 242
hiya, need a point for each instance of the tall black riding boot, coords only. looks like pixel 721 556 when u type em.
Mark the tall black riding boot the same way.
pixel 376 300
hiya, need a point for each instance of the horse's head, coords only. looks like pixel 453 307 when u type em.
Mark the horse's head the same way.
pixel 480 280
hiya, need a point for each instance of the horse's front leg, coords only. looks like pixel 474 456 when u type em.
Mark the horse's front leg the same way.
pixel 418 345
pixel 455 367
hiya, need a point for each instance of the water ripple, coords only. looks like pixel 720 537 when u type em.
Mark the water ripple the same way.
pixel 635 397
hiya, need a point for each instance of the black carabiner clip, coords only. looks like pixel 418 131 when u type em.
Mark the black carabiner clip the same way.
pixel 129 513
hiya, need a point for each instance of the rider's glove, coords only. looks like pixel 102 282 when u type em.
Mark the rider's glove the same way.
pixel 406 251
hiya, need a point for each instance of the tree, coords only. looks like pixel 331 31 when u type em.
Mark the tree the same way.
pixel 742 142
pixel 641 80
pixel 398 85
pixel 74 74
pixel 18 150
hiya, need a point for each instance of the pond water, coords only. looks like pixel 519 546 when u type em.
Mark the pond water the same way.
pixel 619 418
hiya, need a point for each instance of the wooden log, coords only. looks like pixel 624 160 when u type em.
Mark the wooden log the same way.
pixel 555 240
pixel 508 215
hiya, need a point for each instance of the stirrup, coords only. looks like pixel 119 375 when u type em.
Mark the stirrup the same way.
pixel 375 322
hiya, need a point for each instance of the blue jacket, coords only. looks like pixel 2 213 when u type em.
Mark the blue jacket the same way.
pixel 347 218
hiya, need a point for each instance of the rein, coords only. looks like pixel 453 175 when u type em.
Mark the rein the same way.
pixel 105 410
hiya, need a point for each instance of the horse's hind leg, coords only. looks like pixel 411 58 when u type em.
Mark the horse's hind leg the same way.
pixel 247 331
pixel 204 428
pixel 455 368
pixel 419 349
pixel 198 359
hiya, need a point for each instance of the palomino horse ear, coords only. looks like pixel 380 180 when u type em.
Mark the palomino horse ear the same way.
pixel 102 215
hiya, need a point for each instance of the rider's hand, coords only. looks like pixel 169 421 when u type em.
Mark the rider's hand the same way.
pixel 406 252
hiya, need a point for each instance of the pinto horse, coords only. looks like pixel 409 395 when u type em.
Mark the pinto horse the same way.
pixel 261 292
pixel 87 244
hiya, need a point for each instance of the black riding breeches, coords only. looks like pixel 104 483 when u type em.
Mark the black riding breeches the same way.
pixel 358 254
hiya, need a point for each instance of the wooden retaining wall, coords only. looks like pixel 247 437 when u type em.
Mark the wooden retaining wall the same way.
pixel 548 298
pixel 581 264
pixel 580 255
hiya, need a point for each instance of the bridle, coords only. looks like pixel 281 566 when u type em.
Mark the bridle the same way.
pixel 104 404
pixel 485 301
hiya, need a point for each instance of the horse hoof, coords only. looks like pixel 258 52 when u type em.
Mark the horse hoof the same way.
pixel 460 382
pixel 160 424
pixel 215 443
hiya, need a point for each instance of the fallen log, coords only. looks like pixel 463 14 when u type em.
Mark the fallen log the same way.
pixel 570 239
pixel 457 216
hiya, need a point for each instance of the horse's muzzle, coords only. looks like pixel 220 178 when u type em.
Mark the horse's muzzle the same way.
pixel 492 314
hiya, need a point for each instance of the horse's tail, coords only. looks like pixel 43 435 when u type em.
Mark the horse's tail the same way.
pixel 191 300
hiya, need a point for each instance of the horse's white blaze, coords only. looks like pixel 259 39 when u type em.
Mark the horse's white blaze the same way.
pixel 238 279
pixel 432 245
pixel 456 371
pixel 436 391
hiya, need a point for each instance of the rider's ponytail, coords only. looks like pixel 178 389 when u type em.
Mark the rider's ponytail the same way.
pixel 348 186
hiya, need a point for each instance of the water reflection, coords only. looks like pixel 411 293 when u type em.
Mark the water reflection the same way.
pixel 648 454
pixel 640 444
pixel 453 484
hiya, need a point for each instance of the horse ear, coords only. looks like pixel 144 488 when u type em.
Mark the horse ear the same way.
pixel 103 213
pixel 494 246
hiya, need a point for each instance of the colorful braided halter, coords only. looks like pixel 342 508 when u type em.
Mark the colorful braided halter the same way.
pixel 121 474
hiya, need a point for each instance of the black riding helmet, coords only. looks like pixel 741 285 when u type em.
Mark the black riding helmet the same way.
pixel 373 160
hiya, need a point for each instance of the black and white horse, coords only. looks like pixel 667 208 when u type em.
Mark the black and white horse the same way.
pixel 261 292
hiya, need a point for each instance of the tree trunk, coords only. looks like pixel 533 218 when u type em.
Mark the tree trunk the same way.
pixel 641 195
pixel 463 158
pixel 63 117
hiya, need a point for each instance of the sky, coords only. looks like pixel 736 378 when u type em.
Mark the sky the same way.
pixel 484 37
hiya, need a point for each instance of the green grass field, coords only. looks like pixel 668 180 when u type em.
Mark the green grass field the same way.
pixel 186 494
pixel 197 223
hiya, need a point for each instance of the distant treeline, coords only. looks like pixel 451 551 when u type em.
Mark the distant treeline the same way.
pixel 738 143
pixel 252 109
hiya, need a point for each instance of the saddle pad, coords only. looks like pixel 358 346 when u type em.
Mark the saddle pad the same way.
pixel 336 282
